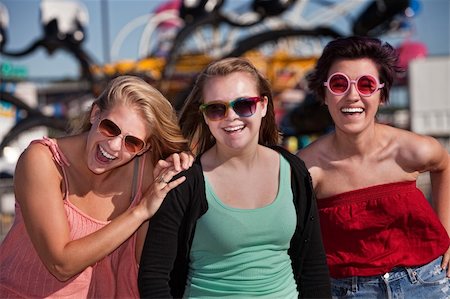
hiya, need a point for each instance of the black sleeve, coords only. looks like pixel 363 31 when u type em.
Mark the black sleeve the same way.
pixel 307 252
pixel 314 273
pixel 165 245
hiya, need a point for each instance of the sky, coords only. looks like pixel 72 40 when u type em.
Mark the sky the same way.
pixel 108 17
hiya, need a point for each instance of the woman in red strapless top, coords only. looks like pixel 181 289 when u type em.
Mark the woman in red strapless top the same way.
pixel 381 235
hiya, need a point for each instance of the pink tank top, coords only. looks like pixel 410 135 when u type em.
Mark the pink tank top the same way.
pixel 22 274
pixel 372 230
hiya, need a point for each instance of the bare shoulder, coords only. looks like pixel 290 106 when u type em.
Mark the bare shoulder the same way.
pixel 315 153
pixel 36 167
pixel 316 157
pixel 36 155
pixel 418 152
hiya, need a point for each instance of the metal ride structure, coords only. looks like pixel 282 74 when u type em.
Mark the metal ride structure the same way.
pixel 286 42
pixel 178 41
pixel 277 35
pixel 60 31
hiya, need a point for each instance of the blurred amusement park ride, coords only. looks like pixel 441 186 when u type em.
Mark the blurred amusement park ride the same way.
pixel 282 37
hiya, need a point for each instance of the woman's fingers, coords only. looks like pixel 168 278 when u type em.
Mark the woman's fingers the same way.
pixel 156 195
pixel 173 184
pixel 181 161
pixel 165 170
pixel 161 180
pixel 186 159
pixel 446 262
pixel 166 175
pixel 175 160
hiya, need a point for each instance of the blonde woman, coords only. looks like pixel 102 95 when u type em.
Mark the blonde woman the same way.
pixel 82 201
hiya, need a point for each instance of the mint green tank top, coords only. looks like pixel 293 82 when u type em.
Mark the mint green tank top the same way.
pixel 241 253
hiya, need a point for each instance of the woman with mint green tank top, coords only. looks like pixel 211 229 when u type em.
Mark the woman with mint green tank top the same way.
pixel 251 252
pixel 244 223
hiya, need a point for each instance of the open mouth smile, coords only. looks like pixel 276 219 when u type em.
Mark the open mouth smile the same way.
pixel 234 129
pixel 105 154
pixel 352 110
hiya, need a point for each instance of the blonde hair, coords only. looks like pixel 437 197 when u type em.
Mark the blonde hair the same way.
pixel 166 137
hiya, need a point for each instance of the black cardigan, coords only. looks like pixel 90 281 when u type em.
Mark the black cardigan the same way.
pixel 165 257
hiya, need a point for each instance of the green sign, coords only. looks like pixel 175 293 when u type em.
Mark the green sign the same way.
pixel 8 70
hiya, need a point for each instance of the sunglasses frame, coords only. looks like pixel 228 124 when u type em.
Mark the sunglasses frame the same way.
pixel 350 81
pixel 122 136
pixel 231 104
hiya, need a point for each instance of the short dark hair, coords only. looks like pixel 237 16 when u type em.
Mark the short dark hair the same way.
pixel 381 53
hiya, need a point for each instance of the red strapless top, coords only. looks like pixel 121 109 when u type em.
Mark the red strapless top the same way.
pixel 372 230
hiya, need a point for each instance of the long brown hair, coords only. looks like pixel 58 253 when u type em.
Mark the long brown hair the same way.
pixel 192 122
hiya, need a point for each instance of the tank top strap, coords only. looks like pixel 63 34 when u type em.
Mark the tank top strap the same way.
pixel 285 171
pixel 138 177
pixel 58 157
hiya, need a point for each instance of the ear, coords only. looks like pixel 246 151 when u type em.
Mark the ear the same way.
pixel 95 113
pixel 264 105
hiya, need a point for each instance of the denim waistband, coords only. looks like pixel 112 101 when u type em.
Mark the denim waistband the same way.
pixel 395 274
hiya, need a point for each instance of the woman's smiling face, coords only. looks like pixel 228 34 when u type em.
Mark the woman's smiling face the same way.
pixel 351 111
pixel 105 152
pixel 234 131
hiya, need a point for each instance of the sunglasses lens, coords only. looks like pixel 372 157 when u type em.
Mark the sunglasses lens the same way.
pixel 367 85
pixel 108 128
pixel 338 84
pixel 244 107
pixel 215 111
pixel 133 144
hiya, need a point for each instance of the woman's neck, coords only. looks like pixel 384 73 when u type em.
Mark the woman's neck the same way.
pixel 233 158
pixel 359 144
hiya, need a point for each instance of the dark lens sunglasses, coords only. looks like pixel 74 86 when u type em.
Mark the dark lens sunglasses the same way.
pixel 109 129
pixel 339 84
pixel 217 110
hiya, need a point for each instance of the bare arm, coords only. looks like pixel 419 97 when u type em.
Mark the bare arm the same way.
pixel 440 188
pixel 428 155
pixel 38 192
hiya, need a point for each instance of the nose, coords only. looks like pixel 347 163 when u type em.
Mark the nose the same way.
pixel 115 143
pixel 231 114
pixel 353 91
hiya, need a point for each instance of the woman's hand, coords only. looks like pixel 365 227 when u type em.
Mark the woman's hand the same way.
pixel 163 173
pixel 181 161
pixel 446 262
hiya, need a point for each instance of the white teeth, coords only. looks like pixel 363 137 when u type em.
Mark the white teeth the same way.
pixel 105 153
pixel 233 129
pixel 352 110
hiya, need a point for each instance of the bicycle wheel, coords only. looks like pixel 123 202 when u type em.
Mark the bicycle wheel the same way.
pixel 294 42
pixel 16 102
pixel 208 37
pixel 30 128
pixel 277 53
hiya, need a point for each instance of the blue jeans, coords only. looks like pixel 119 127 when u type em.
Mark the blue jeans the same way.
pixel 427 282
